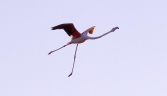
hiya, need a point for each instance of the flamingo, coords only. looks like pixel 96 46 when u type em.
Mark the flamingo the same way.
pixel 77 37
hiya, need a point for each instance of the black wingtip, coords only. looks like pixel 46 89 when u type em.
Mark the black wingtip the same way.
pixel 53 28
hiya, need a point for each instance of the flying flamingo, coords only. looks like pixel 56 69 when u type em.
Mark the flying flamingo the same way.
pixel 77 37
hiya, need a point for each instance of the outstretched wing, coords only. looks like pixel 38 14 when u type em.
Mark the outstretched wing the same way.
pixel 69 29
pixel 91 30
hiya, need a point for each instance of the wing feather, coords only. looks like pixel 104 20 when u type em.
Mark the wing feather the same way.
pixel 69 28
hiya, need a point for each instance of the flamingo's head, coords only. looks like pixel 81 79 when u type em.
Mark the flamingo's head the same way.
pixel 113 29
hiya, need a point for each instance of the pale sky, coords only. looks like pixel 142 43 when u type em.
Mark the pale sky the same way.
pixel 132 61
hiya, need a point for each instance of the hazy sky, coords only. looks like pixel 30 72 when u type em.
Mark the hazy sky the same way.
pixel 132 61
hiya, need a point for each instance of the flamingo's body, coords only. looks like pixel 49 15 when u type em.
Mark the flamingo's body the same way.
pixel 71 31
pixel 76 36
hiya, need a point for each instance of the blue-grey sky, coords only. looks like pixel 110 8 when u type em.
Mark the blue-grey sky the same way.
pixel 129 62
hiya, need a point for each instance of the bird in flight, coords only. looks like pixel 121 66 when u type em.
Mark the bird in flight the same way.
pixel 77 37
